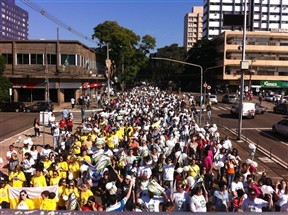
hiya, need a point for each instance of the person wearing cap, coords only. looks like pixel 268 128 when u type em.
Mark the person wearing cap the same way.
pixel 17 177
pixel 25 148
pixel 4 194
pixel 254 204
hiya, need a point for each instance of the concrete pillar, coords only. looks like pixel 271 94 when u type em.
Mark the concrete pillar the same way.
pixel 60 96
pixel 15 95
pixel 78 93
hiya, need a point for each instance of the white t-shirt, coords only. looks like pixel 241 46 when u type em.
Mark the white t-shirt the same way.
pixel 151 205
pixel 9 153
pixel 145 170
pixel 198 204
pixel 283 200
pixel 168 172
pixel 254 206
pixel 181 200
pixel 236 186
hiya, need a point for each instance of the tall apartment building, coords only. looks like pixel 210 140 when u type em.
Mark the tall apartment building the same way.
pixel 263 15
pixel 193 27
pixel 14 21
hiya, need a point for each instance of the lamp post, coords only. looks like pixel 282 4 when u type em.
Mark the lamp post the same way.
pixel 244 65
pixel 190 64
pixel 108 65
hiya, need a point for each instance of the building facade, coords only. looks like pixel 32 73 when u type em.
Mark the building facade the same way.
pixel 267 53
pixel 61 69
pixel 263 15
pixel 193 27
pixel 14 21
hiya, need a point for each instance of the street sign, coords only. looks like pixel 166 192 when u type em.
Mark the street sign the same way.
pixel 205 85
pixel 208 87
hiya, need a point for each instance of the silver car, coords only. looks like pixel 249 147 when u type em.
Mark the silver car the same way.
pixel 281 127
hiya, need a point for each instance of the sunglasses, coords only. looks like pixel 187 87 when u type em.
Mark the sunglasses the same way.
pixel 23 194
pixel 252 194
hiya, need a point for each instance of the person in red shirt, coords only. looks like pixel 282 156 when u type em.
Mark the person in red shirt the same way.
pixel 92 205
pixel 63 124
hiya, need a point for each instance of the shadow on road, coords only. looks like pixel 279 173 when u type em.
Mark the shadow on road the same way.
pixel 272 136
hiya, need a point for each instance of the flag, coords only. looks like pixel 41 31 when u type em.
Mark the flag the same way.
pixel 34 194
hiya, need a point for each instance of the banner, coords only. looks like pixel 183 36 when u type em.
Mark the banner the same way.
pixel 34 194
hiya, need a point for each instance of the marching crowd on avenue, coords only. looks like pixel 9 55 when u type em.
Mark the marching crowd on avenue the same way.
pixel 145 151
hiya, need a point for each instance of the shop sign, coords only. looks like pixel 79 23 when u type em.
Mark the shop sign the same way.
pixel 274 84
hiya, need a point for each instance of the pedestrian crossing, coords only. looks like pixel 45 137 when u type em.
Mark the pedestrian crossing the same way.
pixel 221 108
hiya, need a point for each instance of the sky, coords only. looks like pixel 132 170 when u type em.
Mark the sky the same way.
pixel 161 19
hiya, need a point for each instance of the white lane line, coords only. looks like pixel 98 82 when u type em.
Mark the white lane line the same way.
pixel 274 138
pixel 257 129
pixel 222 108
pixel 214 108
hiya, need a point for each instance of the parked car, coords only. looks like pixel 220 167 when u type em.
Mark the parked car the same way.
pixel 12 106
pixel 248 111
pixel 40 106
pixel 281 108
pixel 260 109
pixel 281 127
pixel 213 99
pixel 229 99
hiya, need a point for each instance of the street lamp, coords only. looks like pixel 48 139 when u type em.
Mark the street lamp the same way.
pixel 190 64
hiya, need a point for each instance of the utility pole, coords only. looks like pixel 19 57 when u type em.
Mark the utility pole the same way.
pixel 244 65
pixel 47 94
pixel 108 65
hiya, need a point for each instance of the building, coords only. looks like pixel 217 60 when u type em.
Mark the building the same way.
pixel 50 69
pixel 267 53
pixel 263 15
pixel 14 21
pixel 193 27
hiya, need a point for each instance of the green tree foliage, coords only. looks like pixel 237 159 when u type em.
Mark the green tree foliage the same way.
pixel 4 82
pixel 127 50
pixel 168 73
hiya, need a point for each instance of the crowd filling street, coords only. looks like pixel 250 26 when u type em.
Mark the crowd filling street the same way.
pixel 145 151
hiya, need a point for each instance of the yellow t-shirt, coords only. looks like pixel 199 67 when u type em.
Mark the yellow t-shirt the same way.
pixel 193 170
pixel 54 181
pixel 93 137
pixel 83 138
pixel 61 202
pixel 68 191
pixel 27 204
pixel 47 164
pixel 4 195
pixel 86 158
pixel 76 148
pixel 109 142
pixel 19 181
pixel 63 168
pixel 74 167
pixel 84 196
pixel 49 204
pixel 38 181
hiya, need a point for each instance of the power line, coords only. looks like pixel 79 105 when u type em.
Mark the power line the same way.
pixel 55 20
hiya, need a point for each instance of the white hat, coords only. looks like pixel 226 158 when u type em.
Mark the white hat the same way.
pixel 128 177
pixel 26 141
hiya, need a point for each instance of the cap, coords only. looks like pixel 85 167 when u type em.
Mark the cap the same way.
pixel 128 177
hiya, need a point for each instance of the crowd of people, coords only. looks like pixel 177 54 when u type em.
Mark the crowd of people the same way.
pixel 145 152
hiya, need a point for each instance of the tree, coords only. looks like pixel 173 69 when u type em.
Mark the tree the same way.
pixel 127 50
pixel 5 84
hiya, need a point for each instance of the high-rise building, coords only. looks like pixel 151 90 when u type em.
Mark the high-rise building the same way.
pixel 193 27
pixel 263 15
pixel 14 21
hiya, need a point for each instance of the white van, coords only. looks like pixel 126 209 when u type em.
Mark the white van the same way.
pixel 249 109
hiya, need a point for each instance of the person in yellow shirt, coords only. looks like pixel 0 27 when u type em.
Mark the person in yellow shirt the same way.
pixel 4 195
pixel 52 201
pixel 38 180
pixel 63 167
pixel 24 202
pixel 71 188
pixel 194 169
pixel 17 177
pixel 61 190
pixel 45 200
pixel 84 194
pixel 46 162
pixel 54 180
pixel 76 146
pixel 73 167
pixel 85 157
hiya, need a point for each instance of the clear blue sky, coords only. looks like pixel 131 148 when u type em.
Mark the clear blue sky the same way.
pixel 162 19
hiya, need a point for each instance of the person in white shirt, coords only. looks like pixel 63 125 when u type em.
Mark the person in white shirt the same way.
pixel 180 198
pixel 168 172
pixel 198 201
pixel 145 169
pixel 237 184
pixel 254 204
pixel 10 152
pixel 72 103
pixel 150 202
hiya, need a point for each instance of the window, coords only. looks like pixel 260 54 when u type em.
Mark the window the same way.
pixel 37 59
pixel 51 59
pixel 22 59
pixel 9 58
pixel 68 59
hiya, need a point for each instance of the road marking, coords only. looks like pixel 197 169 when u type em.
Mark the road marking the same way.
pixel 257 129
pixel 16 135
pixel 274 138
pixel 222 108
pixel 265 160
pixel 214 108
